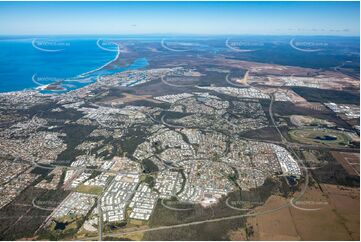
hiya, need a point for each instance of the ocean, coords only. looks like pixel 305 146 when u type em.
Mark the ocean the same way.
pixel 30 63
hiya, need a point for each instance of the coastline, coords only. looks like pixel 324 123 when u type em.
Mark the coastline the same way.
pixel 43 87
pixel 103 66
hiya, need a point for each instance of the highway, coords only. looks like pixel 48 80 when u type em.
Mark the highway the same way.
pixel 285 142
pixel 100 219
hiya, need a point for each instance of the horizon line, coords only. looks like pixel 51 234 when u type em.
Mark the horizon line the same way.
pixel 178 34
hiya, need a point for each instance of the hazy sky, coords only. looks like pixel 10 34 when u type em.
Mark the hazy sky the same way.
pixel 311 18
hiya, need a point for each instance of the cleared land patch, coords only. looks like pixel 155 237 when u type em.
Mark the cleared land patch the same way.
pixel 337 217
pixel 300 120
pixel 349 161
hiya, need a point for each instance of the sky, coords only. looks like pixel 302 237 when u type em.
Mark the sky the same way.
pixel 219 18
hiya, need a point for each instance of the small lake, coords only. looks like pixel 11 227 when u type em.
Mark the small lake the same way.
pixel 60 225
pixel 325 138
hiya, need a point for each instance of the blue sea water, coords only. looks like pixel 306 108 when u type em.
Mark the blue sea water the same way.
pixel 27 63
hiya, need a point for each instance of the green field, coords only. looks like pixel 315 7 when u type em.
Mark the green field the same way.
pixel 96 190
